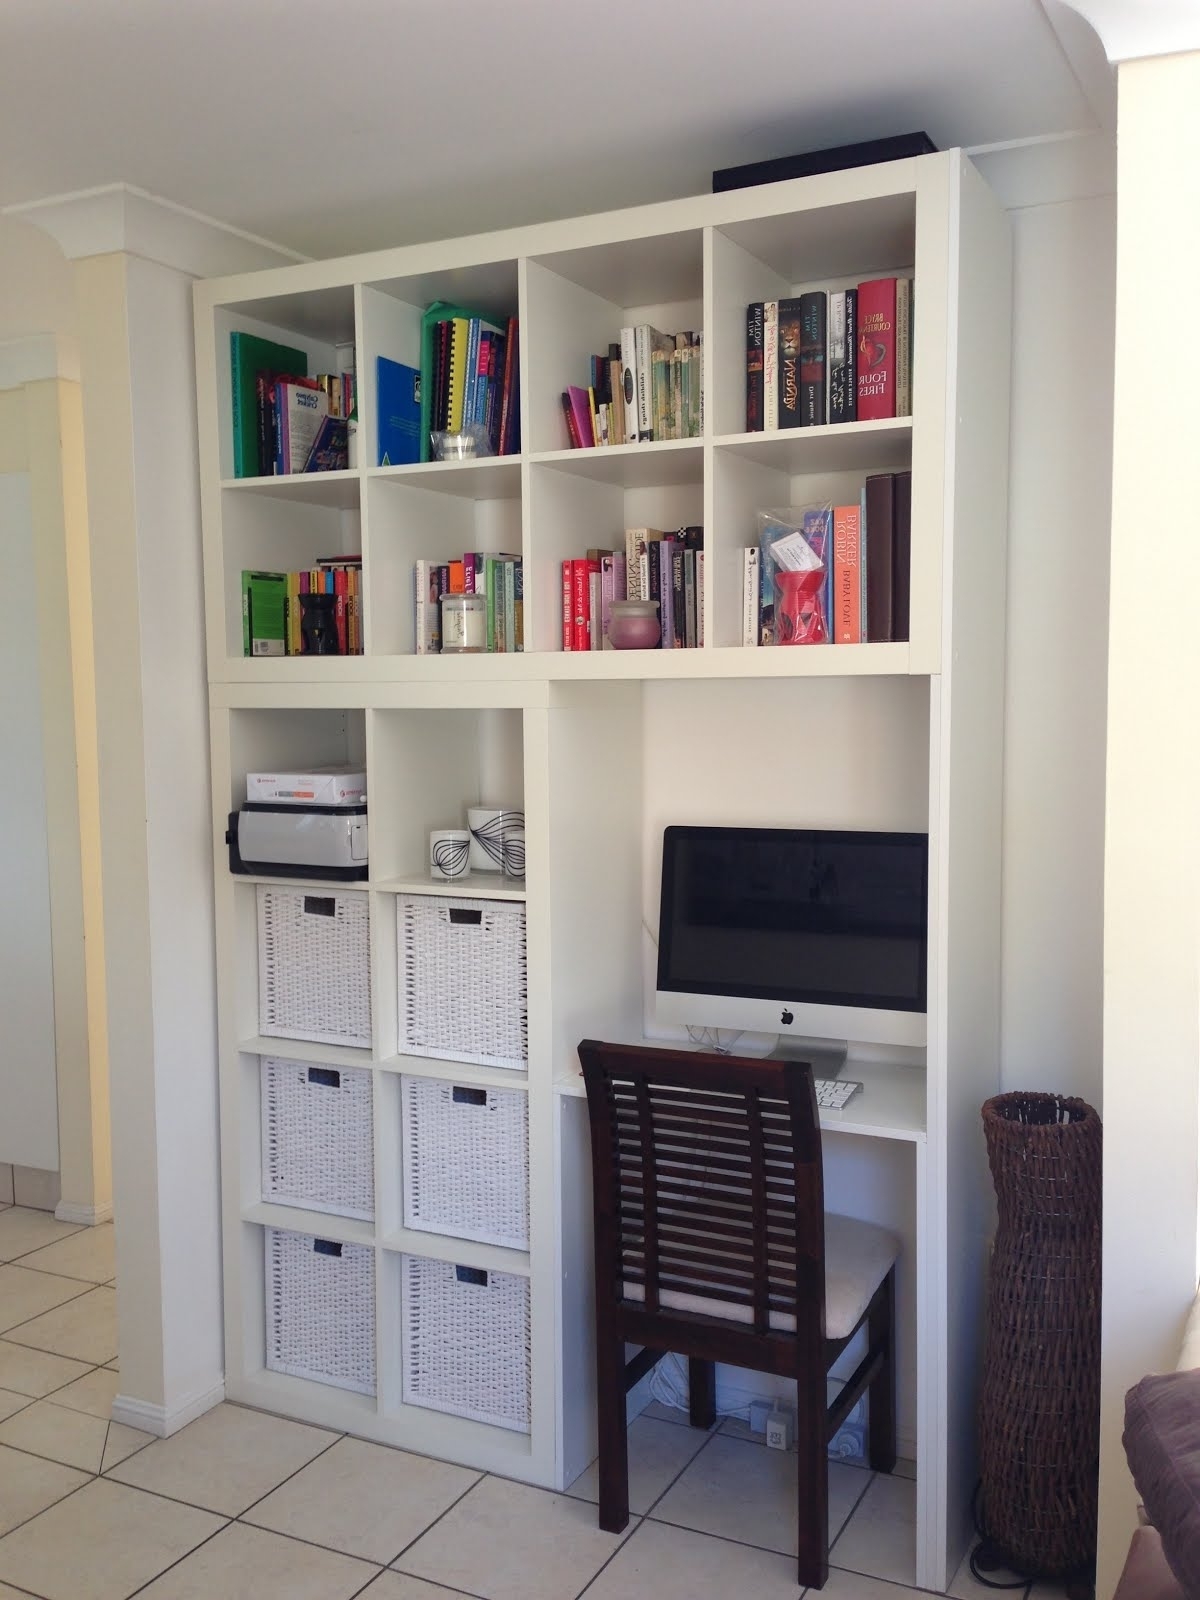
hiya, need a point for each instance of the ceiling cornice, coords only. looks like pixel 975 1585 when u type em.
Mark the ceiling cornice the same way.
pixel 119 217
pixel 1131 29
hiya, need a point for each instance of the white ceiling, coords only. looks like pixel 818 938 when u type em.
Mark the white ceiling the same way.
pixel 337 125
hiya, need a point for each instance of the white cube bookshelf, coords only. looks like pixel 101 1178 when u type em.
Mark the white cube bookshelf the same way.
pixel 602 749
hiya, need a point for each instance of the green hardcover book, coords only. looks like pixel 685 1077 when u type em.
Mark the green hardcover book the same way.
pixel 264 613
pixel 248 356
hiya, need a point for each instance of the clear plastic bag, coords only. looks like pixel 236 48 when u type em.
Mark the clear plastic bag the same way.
pixel 796 555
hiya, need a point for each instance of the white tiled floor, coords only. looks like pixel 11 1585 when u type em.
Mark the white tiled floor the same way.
pixel 247 1506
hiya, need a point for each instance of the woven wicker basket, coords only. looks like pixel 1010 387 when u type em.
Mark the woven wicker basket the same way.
pixel 1039 1420
pixel 314 967
pixel 462 980
pixel 466 1161
pixel 317 1146
pixel 466 1342
pixel 321 1310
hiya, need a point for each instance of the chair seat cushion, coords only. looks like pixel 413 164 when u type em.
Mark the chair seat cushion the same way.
pixel 1162 1444
pixel 857 1258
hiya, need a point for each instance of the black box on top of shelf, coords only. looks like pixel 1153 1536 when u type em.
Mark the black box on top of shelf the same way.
pixel 896 148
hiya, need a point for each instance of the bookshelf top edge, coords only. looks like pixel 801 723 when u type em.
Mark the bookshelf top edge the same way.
pixel 630 224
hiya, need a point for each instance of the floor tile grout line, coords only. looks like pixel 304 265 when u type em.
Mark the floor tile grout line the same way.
pixel 48 1272
pixel 626 1535
pixel 404 1549
pixel 850 1515
pixel 710 1435
pixel 174 1499
pixel 37 1455
pixel 208 1539
pixel 84 1288
pixel 25 1521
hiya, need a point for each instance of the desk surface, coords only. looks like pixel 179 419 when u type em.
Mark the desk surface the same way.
pixel 890 1105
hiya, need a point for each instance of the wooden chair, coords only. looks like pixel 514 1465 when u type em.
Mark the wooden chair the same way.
pixel 712 1241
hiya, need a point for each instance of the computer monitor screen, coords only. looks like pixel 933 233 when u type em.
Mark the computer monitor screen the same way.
pixel 816 931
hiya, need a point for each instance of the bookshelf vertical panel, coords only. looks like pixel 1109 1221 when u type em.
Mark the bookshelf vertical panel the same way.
pixel 738 280
pixel 566 325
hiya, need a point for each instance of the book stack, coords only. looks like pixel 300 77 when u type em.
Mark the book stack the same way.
pixel 667 567
pixel 648 387
pixel 469 377
pixel 275 607
pixel 863 549
pixel 283 420
pixel 498 576
pixel 844 356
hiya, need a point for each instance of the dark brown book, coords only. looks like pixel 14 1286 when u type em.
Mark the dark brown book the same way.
pixel 788 372
pixel 880 543
pixel 901 552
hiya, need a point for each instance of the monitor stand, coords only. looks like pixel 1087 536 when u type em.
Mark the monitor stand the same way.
pixel 828 1056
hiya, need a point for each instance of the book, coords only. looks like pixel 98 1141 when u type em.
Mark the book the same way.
pixel 770 365
pixel 788 378
pixel 878 538
pixel 581 611
pixel 612 587
pixel 648 342
pixel 329 451
pixel 875 360
pixel 851 357
pixel 754 367
pixel 509 439
pixel 428 627
pixel 846 623
pixel 581 411
pixel 510 604
pixel 248 356
pixel 398 412
pixel 636 540
pixel 817 527
pixel 629 385
pixel 813 358
pixel 434 371
pixel 568 607
pixel 519 604
pixel 574 438
pixel 595 628
pixel 751 597
pixel 264 613
pixel 299 408
pixel 901 555
pixel 904 347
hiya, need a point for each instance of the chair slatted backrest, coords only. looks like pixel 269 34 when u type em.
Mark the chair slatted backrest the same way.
pixel 707 1180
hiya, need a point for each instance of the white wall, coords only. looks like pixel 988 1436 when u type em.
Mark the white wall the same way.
pixel 36 290
pixel 28 1109
pixel 1058 539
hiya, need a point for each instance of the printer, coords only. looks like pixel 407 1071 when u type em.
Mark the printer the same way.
pixel 301 825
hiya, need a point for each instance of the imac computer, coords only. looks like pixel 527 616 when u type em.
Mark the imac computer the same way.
pixel 817 935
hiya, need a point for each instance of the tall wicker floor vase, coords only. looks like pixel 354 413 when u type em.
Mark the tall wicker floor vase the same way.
pixel 1039 1422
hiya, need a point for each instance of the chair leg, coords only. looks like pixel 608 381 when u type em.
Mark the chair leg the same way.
pixel 881 1395
pixel 702 1392
pixel 612 1438
pixel 812 1480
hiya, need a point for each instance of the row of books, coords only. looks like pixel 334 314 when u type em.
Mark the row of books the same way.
pixel 317 611
pixel 648 387
pixel 821 357
pixel 832 574
pixel 285 421
pixel 469 377
pixel 654 565
pixel 498 576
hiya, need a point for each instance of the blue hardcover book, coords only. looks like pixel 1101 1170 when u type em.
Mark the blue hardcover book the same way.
pixel 398 408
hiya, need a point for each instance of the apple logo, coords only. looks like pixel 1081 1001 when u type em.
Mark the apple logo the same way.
pixel 787 1018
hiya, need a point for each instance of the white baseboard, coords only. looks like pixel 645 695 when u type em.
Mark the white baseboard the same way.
pixel 163 1421
pixel 88 1216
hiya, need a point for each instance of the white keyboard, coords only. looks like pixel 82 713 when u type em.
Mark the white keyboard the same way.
pixel 833 1093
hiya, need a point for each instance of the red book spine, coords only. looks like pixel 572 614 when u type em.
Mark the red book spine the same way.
pixel 581 605
pixel 576 443
pixel 568 607
pixel 875 356
pixel 339 590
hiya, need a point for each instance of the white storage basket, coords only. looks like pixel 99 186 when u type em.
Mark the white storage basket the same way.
pixel 466 1342
pixel 466 1161
pixel 462 979
pixel 317 1146
pixel 314 966
pixel 321 1310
